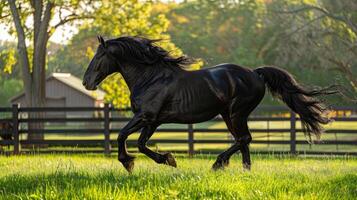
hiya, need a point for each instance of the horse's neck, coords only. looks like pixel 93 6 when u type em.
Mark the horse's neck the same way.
pixel 130 75
pixel 136 75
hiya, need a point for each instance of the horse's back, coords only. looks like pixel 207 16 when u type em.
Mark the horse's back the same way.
pixel 200 95
pixel 247 89
pixel 240 81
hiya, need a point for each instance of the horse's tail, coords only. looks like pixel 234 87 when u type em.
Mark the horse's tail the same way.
pixel 302 101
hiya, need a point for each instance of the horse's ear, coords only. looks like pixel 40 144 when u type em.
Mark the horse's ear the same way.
pixel 101 40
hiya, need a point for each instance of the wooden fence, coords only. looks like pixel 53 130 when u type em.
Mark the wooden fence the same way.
pixel 107 118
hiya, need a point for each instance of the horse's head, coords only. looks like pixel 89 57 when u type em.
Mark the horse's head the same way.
pixel 131 56
pixel 102 65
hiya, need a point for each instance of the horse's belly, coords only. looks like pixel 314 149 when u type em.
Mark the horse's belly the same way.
pixel 188 118
pixel 199 110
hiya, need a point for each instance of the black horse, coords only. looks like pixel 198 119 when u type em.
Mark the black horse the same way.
pixel 163 92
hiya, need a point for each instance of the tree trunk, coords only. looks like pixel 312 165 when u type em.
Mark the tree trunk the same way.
pixel 34 81
pixel 23 53
pixel 38 95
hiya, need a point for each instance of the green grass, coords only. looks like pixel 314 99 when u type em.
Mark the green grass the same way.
pixel 97 177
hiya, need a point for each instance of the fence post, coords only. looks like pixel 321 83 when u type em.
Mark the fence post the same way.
pixel 15 131
pixel 191 148
pixel 292 133
pixel 107 147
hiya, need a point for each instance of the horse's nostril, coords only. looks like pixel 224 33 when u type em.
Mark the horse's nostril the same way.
pixel 84 82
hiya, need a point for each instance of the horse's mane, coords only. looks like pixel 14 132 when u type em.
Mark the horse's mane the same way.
pixel 145 51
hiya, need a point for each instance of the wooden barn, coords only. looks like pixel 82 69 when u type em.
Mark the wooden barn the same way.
pixel 66 90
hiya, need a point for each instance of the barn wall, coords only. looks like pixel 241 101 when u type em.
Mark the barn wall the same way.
pixel 74 98
pixel 56 90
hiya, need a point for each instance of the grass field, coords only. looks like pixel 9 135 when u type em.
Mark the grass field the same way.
pixel 97 177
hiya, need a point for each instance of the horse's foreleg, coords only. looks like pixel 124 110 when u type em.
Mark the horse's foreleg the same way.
pixel 127 160
pixel 146 133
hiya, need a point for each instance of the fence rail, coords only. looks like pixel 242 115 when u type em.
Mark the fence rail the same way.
pixel 107 120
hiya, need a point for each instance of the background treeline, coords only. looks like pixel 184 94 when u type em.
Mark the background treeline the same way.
pixel 316 40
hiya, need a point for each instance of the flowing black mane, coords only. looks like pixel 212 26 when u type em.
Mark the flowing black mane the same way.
pixel 144 51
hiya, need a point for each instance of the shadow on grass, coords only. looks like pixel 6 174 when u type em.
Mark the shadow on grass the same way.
pixel 77 183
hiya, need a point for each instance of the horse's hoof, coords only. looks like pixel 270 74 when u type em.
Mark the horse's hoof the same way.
pixel 226 163
pixel 170 160
pixel 217 166
pixel 246 166
pixel 128 164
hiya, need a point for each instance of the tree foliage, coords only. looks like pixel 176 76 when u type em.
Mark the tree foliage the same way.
pixel 321 35
pixel 219 31
pixel 9 84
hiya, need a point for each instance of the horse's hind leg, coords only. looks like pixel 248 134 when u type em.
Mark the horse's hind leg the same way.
pixel 145 135
pixel 223 158
pixel 244 138
pixel 239 128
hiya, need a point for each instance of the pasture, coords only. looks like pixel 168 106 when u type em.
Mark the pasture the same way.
pixel 98 177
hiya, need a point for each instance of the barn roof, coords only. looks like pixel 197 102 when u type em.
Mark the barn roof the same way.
pixel 73 82
pixel 76 83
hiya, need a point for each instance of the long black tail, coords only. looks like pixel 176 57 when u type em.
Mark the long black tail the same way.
pixel 302 101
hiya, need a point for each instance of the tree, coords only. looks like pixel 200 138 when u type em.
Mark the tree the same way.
pixel 219 31
pixel 35 21
pixel 324 31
